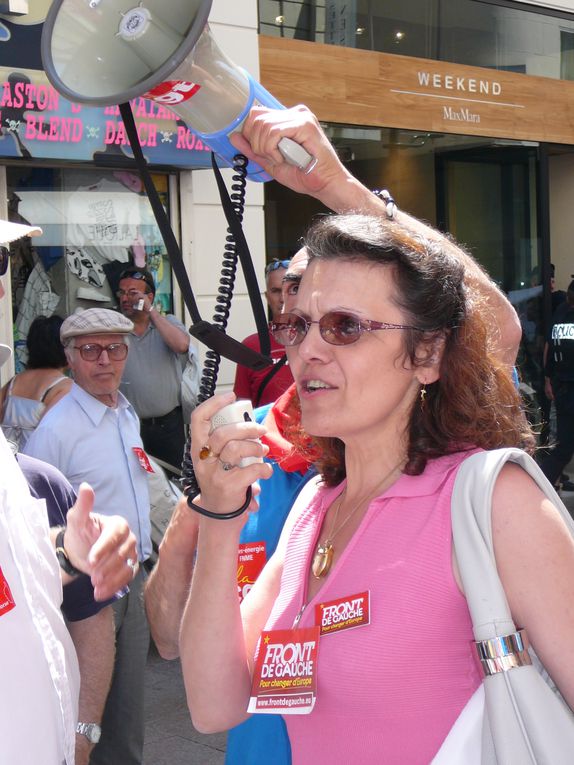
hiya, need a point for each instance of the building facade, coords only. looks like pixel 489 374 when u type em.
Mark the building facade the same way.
pixel 68 168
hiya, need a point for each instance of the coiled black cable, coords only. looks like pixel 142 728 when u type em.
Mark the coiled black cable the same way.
pixel 220 319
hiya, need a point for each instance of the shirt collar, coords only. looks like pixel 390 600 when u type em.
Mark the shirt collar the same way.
pixel 95 409
pixel 149 328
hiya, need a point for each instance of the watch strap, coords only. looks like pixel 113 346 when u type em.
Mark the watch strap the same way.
pixel 91 731
pixel 387 198
pixel 63 559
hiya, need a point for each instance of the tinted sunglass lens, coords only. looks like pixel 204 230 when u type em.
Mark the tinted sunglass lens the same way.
pixel 298 330
pixel 275 264
pixel 339 329
pixel 289 330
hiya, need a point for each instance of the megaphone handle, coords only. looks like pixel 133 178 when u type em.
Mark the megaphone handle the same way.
pixel 296 155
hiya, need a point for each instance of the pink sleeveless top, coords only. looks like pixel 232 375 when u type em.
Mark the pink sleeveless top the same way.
pixel 390 691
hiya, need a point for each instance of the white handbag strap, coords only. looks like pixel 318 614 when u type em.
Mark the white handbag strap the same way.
pixel 472 535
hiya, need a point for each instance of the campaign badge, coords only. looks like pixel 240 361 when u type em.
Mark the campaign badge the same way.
pixel 143 459
pixel 344 613
pixel 7 602
pixel 251 559
pixel 285 674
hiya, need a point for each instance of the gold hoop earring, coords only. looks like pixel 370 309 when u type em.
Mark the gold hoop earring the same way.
pixel 423 393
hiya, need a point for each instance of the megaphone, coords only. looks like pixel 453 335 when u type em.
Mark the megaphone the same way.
pixel 104 52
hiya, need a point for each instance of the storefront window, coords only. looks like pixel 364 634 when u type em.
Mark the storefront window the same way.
pixel 95 224
pixel 461 31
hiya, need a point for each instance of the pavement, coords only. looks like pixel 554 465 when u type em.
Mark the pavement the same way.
pixel 170 738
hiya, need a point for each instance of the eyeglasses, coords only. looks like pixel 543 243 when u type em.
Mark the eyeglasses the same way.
pixel 4 260
pixel 131 293
pixel 93 351
pixel 275 264
pixel 335 328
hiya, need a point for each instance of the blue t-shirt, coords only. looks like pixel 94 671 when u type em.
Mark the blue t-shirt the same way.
pixel 263 738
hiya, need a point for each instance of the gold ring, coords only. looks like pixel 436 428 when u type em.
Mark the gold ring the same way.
pixel 206 452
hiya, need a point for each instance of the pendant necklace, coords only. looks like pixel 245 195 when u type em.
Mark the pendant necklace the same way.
pixel 323 557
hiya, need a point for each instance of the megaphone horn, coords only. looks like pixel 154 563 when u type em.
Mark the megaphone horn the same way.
pixel 104 52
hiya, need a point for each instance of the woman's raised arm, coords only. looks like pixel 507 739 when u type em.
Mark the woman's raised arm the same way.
pixel 334 186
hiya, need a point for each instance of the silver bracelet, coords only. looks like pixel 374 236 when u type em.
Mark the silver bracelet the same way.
pixel 390 204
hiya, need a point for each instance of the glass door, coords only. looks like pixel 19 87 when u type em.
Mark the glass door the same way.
pixel 487 198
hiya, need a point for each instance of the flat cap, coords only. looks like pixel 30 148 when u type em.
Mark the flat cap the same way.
pixel 95 321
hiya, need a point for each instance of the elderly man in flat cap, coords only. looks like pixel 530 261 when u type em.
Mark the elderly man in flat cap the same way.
pixel 92 435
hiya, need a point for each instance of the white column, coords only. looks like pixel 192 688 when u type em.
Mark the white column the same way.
pixel 203 224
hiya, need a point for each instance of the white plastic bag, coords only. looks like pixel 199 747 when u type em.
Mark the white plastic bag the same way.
pixel 190 384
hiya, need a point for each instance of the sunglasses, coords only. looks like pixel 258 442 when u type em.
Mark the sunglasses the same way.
pixel 138 275
pixel 334 327
pixel 275 264
pixel 4 260
pixel 93 351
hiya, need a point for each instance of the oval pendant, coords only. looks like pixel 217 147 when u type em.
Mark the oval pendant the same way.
pixel 322 560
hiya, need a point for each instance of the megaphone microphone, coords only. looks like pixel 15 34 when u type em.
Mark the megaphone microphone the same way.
pixel 106 52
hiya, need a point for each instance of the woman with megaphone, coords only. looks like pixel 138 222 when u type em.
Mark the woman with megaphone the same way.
pixel 401 348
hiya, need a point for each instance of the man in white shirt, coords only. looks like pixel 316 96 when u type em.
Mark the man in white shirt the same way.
pixel 38 666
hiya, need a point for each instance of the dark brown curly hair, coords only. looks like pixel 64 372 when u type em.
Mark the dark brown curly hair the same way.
pixel 474 403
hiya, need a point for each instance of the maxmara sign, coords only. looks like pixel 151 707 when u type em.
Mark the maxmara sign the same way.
pixel 364 87
pixel 462 98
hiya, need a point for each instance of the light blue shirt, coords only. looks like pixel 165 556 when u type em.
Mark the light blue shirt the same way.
pixel 89 441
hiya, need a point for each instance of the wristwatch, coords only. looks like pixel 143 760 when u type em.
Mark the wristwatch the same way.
pixel 91 731
pixel 65 563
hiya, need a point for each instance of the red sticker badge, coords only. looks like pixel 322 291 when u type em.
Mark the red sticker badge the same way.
pixel 7 602
pixel 343 613
pixel 285 675
pixel 143 459
pixel 172 92
pixel 251 558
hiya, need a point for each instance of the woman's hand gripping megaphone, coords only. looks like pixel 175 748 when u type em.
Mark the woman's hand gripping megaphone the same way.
pixel 262 133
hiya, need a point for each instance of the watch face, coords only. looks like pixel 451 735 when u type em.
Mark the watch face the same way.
pixel 94 733
pixel 91 731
